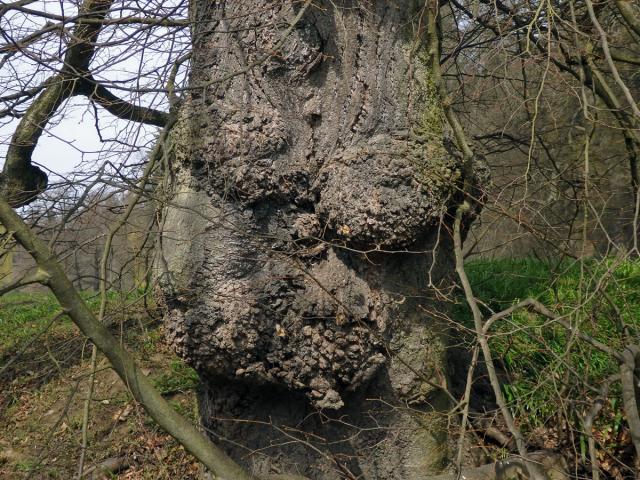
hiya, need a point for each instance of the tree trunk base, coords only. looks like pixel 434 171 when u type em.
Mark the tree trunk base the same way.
pixel 271 431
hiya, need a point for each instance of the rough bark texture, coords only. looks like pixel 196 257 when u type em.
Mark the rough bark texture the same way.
pixel 309 194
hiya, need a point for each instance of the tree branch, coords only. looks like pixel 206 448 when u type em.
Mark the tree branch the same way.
pixel 21 182
pixel 34 276
pixel 612 66
pixel 121 108
pixel 631 17
pixel 628 369
pixel 550 464
pixel 625 57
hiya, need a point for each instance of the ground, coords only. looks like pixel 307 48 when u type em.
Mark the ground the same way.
pixel 43 392
pixel 44 377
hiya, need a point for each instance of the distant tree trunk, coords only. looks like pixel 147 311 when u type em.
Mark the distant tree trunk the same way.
pixel 95 268
pixel 6 261
pixel 78 274
pixel 311 182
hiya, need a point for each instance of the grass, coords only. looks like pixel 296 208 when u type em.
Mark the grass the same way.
pixel 543 369
pixel 543 365
pixel 47 383
pixel 178 379
pixel 23 315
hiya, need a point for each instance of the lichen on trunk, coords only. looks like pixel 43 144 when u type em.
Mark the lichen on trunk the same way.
pixel 303 237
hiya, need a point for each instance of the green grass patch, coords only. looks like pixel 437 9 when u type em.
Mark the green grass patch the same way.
pixel 543 364
pixel 179 378
pixel 23 315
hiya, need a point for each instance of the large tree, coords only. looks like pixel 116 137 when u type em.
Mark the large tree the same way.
pixel 311 203
pixel 304 238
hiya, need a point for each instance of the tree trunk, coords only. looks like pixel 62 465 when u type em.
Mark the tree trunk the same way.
pixel 305 232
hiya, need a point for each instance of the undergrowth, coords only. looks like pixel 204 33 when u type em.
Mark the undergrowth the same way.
pixel 549 376
pixel 44 377
pixel 25 314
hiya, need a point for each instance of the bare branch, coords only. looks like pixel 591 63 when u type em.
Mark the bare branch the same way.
pixel 120 108
pixel 630 16
pixel 21 181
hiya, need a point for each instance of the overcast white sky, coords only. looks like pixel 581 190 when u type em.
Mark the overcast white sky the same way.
pixel 62 147
pixel 71 139
pixel 74 141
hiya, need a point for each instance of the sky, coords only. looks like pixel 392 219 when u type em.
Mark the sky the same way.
pixel 71 140
pixel 62 147
pixel 73 143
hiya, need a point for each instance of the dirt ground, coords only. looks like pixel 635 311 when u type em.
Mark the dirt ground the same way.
pixel 43 387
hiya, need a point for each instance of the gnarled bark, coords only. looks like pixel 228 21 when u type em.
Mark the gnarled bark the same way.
pixel 298 249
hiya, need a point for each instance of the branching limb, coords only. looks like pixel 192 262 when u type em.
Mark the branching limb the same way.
pixel 607 55
pixel 21 181
pixel 106 255
pixel 466 401
pixel 550 464
pixel 588 425
pixel 11 6
pixel 534 472
pixel 121 108
pixel 34 276
pixel 432 9
pixel 17 45
pixel 628 370
pixel 630 16
pixel 625 57
pixel 153 21
pixel 538 307
pixel 629 361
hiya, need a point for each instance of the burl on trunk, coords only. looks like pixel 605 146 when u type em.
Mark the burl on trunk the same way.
pixel 305 232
